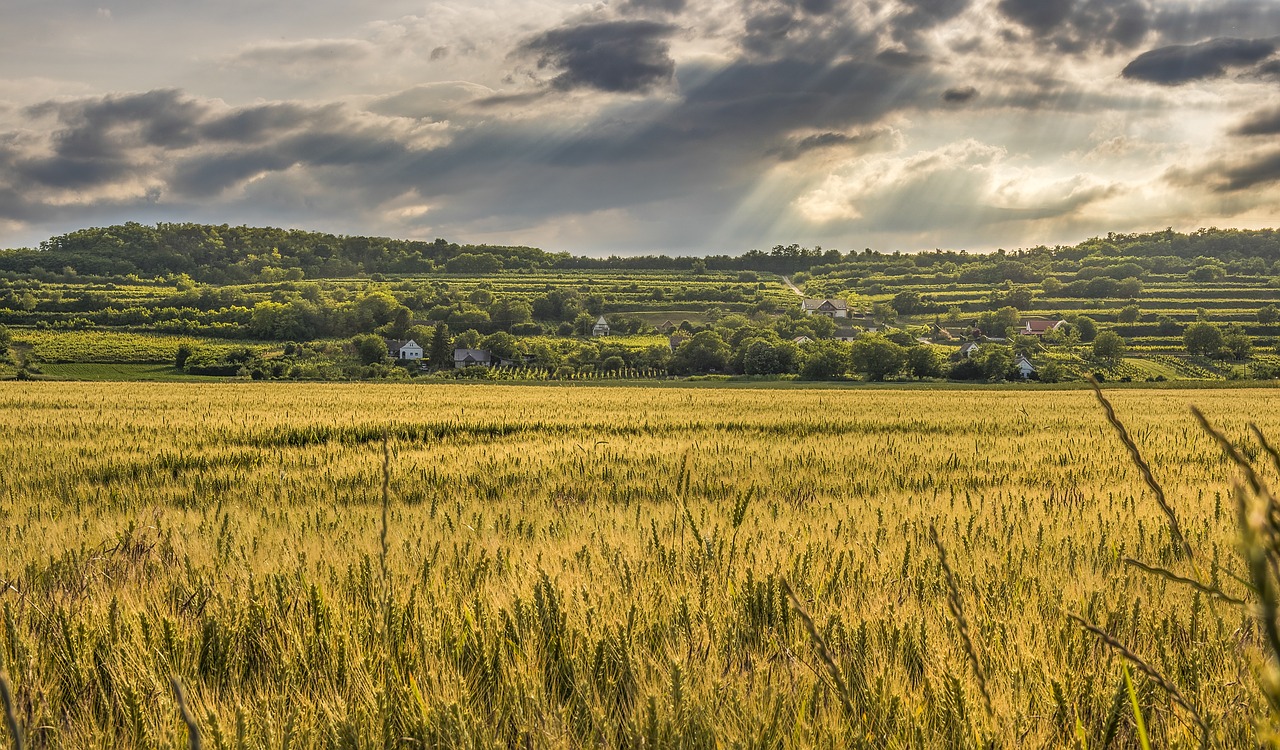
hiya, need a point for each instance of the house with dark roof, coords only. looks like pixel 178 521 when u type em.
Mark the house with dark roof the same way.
pixel 832 308
pixel 472 358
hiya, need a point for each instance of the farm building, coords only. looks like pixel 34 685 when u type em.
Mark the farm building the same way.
pixel 471 358
pixel 832 308
pixel 1024 367
pixel 404 349
pixel 1039 327
pixel 601 328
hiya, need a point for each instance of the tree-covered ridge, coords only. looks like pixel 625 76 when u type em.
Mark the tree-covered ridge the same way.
pixel 226 255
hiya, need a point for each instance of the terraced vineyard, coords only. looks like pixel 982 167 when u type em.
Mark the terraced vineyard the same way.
pixel 571 567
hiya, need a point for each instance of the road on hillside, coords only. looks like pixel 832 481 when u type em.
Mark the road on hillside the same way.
pixel 787 280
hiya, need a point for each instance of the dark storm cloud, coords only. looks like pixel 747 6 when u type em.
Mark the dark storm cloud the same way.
pixel 95 138
pixel 730 122
pixel 213 173
pixel 1193 22
pixel 1075 26
pixel 1269 69
pixel 1041 16
pixel 901 58
pixel 1180 63
pixel 1262 170
pixel 671 7
pixel 802 29
pixel 615 56
pixel 164 117
pixel 306 54
pixel 195 148
pixel 959 95
pixel 1266 122
pixel 254 124
pixel 919 15
pixel 797 147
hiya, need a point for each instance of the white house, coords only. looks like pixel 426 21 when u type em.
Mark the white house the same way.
pixel 1025 368
pixel 601 328
pixel 968 349
pixel 832 308
pixel 404 349
pixel 471 358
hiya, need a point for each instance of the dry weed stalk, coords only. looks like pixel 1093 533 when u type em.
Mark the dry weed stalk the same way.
pixel 956 606
pixel 1143 468
pixel 1146 669
pixel 10 712
pixel 824 650
pixel 193 730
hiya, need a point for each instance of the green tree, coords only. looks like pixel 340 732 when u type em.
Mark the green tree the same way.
pixel 475 263
pixel 997 323
pixel 1129 314
pixel 924 362
pixel 1236 343
pixel 703 352
pixel 996 362
pixel 502 345
pixel 370 349
pixel 510 311
pixel 1269 314
pixel 1052 372
pixel 440 354
pixel 6 340
pixel 907 302
pixel 765 357
pixel 1167 326
pixel 824 360
pixel 1087 327
pixel 1108 345
pixel 375 309
pixel 877 357
pixel 1202 338
pixel 182 354
pixel 1130 287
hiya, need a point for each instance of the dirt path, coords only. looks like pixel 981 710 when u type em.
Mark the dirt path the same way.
pixel 787 280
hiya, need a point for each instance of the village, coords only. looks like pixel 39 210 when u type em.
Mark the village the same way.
pixel 954 343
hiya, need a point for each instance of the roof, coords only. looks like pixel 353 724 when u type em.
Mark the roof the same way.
pixel 601 321
pixel 476 355
pixel 968 346
pixel 1041 326
pixel 818 304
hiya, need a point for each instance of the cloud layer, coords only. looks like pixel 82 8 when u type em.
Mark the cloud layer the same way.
pixel 647 125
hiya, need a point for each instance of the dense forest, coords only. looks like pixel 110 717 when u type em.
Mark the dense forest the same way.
pixel 234 255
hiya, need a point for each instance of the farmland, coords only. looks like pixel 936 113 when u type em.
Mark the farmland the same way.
pixel 271 304
pixel 558 567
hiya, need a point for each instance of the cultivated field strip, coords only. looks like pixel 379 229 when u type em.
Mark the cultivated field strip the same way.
pixel 571 566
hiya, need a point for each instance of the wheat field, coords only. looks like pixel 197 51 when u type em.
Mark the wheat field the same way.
pixel 481 566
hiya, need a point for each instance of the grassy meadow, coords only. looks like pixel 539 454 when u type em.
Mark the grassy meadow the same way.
pixel 562 567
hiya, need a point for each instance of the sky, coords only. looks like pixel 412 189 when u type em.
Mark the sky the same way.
pixel 644 126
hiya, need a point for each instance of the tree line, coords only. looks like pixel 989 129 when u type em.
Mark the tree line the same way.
pixel 222 254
